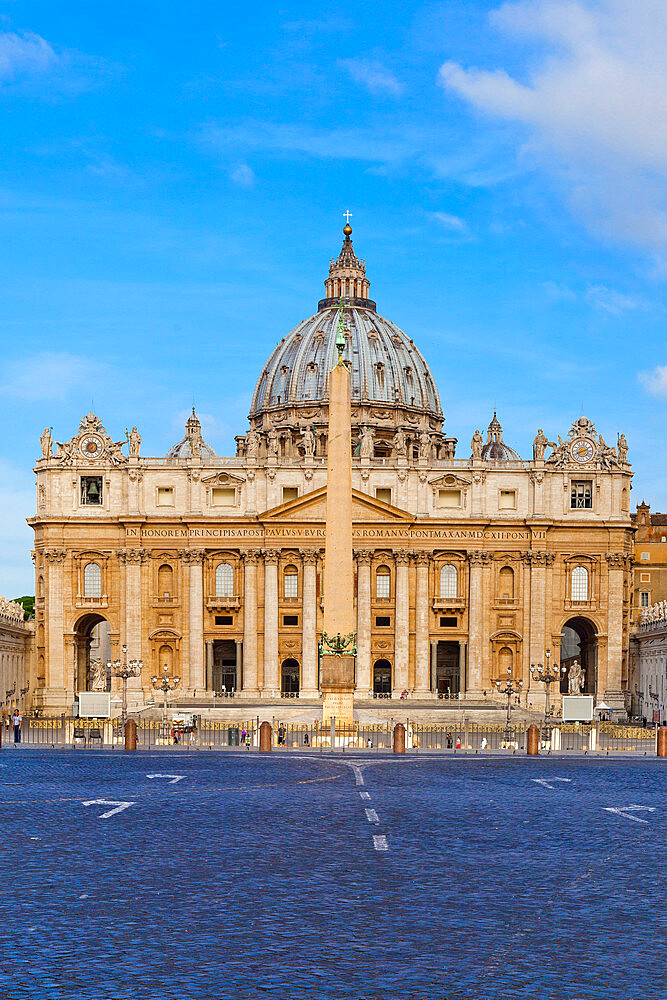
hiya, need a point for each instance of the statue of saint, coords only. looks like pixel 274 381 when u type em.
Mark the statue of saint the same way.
pixel 400 444
pixel 273 443
pixel 424 446
pixel 196 443
pixel 134 437
pixel 46 442
pixel 622 445
pixel 308 442
pixel 539 445
pixel 366 447
pixel 575 678
pixel 98 676
pixel 252 443
pixel 477 444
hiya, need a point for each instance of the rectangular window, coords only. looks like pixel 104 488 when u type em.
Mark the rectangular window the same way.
pixel 223 496
pixel 291 585
pixel 581 495
pixel 91 491
pixel 645 556
pixel 383 586
pixel 165 496
pixel 383 494
pixel 290 493
pixel 507 500
pixel 645 577
pixel 644 599
pixel 449 498
pixel 382 622
pixel 290 619
pixel 224 619
pixel 447 622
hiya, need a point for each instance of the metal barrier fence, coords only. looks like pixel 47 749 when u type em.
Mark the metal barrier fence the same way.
pixel 463 736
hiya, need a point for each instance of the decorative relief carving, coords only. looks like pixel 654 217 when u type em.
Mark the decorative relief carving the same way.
pixel 309 556
pixel 133 555
pixel 193 556
pixel 135 475
pixel 423 558
pixel 536 478
pixel 55 555
pixel 479 558
pixel 539 558
pixel 402 557
pixel 271 557
pixel 251 557
pixel 363 557
pixel 616 560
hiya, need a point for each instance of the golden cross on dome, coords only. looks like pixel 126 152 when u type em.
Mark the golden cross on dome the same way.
pixel 348 216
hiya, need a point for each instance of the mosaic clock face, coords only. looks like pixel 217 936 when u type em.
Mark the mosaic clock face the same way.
pixel 582 450
pixel 91 446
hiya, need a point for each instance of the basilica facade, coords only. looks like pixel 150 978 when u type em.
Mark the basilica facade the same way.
pixel 468 568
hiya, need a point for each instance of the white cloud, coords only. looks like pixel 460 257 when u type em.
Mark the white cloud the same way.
pixel 24 53
pixel 655 382
pixel 243 175
pixel 373 75
pixel 50 376
pixel 608 299
pixel 451 222
pixel 593 104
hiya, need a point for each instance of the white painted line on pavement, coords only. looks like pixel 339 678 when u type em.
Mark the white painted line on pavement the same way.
pixel 364 795
pixel 380 844
pixel 372 816
pixel 627 811
pixel 109 802
pixel 545 783
pixel 174 777
pixel 358 776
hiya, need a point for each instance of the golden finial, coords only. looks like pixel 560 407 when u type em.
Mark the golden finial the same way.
pixel 347 228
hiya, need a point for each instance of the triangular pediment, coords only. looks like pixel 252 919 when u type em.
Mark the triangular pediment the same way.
pixel 313 507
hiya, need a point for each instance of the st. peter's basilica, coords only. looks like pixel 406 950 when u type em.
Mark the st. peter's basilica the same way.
pixel 467 568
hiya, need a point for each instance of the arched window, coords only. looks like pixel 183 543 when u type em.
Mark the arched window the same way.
pixel 579 583
pixel 448 581
pixel 92 580
pixel 224 580
pixel 383 582
pixel 291 583
pixel 506 583
pixel 165 581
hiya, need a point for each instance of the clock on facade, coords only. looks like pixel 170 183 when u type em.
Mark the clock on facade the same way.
pixel 91 446
pixel 582 450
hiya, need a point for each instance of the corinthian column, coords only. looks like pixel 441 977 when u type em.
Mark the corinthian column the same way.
pixel 402 623
pixel 364 684
pixel 55 666
pixel 475 621
pixel 612 683
pixel 271 679
pixel 250 681
pixel 422 658
pixel 309 620
pixel 196 678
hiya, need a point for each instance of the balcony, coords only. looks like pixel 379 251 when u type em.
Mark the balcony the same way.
pixel 449 603
pixel 92 602
pixel 223 603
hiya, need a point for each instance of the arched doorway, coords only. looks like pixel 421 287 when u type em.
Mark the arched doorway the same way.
pixel 92 651
pixel 382 678
pixel 579 642
pixel 289 678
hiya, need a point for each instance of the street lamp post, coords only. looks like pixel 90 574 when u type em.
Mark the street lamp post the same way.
pixel 125 670
pixel 547 674
pixel 510 688
pixel 165 683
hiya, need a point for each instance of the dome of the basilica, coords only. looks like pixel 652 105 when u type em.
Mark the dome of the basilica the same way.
pixel 393 389
pixel 192 445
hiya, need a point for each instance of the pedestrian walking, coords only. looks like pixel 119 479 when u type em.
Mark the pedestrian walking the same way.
pixel 306 740
pixel 458 742
pixel 485 743
pixel 17 722
pixel 450 741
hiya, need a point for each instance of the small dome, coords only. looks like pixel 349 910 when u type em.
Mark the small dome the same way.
pixel 192 445
pixel 495 449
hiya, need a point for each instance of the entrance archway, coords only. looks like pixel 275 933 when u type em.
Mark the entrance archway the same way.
pixel 224 665
pixel 92 652
pixel 579 642
pixel 382 677
pixel 289 678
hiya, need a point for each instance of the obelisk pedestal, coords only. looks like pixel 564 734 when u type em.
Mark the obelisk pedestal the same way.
pixel 337 669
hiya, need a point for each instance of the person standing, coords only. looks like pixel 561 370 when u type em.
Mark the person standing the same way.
pixel 17 721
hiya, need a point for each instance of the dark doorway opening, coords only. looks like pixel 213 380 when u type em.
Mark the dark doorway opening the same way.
pixel 289 678
pixel 382 678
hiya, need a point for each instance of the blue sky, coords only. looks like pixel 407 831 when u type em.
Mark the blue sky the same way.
pixel 172 182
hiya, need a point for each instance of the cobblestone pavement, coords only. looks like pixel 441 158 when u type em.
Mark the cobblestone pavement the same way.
pixel 330 878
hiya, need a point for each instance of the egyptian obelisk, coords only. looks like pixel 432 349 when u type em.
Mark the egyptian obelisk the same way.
pixel 338 643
